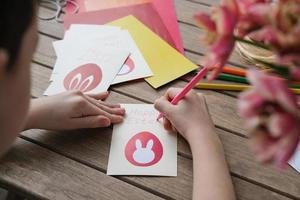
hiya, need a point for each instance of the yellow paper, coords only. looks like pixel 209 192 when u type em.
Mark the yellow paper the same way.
pixel 166 63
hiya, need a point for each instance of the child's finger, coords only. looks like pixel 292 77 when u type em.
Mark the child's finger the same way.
pixel 167 124
pixel 91 122
pixel 163 105
pixel 99 96
pixel 111 105
pixel 91 109
pixel 171 93
pixel 116 111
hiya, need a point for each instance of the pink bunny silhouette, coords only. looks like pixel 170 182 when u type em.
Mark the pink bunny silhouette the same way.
pixel 143 155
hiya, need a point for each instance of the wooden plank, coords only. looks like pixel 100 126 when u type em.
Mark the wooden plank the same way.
pixel 43 174
pixel 186 9
pixel 236 149
pixel 92 147
pixel 205 2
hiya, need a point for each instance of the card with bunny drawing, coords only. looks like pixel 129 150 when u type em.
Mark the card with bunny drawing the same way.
pixel 141 146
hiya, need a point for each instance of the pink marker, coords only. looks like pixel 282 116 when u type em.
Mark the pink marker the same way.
pixel 187 88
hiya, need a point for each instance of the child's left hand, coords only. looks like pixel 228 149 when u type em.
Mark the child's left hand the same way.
pixel 73 110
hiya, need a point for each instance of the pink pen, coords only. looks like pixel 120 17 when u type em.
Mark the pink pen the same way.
pixel 187 88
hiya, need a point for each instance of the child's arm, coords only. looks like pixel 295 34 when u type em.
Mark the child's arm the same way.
pixel 73 110
pixel 192 120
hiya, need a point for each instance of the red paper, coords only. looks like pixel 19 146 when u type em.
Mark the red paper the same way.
pixel 144 12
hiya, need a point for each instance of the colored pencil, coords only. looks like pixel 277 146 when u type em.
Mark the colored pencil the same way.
pixel 239 79
pixel 234 71
pixel 187 88
pixel 242 73
pixel 233 78
pixel 229 87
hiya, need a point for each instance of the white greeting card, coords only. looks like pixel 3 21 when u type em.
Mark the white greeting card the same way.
pixel 84 30
pixel 135 66
pixel 141 146
pixel 295 160
pixel 92 71
pixel 79 32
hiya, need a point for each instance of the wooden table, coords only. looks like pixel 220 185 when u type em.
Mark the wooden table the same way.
pixel 72 165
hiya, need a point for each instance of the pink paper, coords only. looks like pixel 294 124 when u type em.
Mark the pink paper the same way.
pixel 93 5
pixel 70 6
pixel 167 12
pixel 165 9
pixel 144 12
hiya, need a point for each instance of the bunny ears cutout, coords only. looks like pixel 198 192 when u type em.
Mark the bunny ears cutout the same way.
pixel 138 144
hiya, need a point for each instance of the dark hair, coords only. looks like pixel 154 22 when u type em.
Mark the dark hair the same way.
pixel 15 18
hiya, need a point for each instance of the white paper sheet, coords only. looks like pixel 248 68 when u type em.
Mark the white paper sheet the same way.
pixel 134 68
pixel 295 160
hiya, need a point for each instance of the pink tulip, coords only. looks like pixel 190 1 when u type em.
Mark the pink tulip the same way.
pixel 220 29
pixel 254 18
pixel 270 111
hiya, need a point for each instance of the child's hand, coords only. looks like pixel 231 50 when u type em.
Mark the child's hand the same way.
pixel 192 120
pixel 189 117
pixel 73 110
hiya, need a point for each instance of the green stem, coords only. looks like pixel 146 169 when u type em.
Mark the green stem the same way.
pixel 280 69
pixel 256 44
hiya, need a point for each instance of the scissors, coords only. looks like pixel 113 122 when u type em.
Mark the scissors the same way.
pixel 59 6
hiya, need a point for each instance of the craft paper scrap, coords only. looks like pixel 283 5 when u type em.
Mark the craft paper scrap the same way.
pixel 167 12
pixel 166 63
pixel 91 72
pixel 75 5
pixel 141 146
pixel 295 160
pixel 92 5
pixel 135 66
pixel 144 12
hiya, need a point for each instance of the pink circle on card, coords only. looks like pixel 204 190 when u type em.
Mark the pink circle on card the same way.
pixel 84 78
pixel 127 67
pixel 144 149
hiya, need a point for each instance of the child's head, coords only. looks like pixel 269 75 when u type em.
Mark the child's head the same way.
pixel 18 38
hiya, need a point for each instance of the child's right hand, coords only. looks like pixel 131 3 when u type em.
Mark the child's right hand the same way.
pixel 188 117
